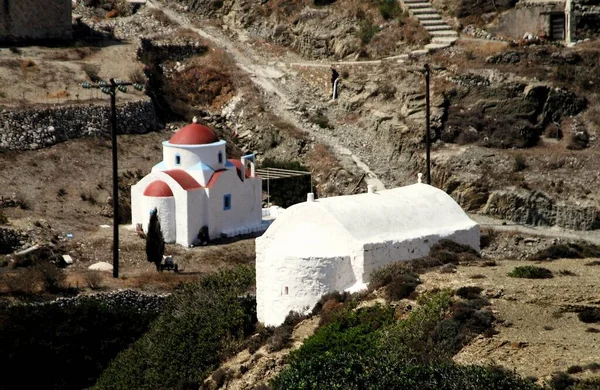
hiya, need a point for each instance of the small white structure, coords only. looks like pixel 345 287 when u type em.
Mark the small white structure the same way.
pixel 334 244
pixel 197 188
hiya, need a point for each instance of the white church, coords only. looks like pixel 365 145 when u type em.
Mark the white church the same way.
pixel 196 187
pixel 334 244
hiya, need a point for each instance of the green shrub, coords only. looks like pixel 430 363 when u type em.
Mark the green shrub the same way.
pixel 587 384
pixel 389 9
pixel 367 30
pixel 281 338
pixel 52 278
pixel 589 315
pixel 321 120
pixel 203 323
pixel 469 292
pixel 531 272
pixel 84 337
pixel 367 349
pixel 410 340
pixel 397 278
pixel 561 381
pixel 572 250
pixel 155 243
pixel 574 369
pixel 519 164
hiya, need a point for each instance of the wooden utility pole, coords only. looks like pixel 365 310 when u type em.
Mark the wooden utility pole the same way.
pixel 111 89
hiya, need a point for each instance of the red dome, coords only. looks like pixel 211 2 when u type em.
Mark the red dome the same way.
pixel 194 134
pixel 158 189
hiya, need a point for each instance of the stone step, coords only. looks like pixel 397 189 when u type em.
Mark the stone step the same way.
pixel 443 33
pixel 437 27
pixel 444 40
pixel 418 53
pixel 424 11
pixel 418 5
pixel 438 22
pixel 435 16
pixel 431 47
pixel 407 2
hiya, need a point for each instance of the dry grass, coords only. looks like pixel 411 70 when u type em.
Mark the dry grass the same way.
pixel 290 129
pixel 207 81
pixel 162 17
pixel 322 161
pixel 63 94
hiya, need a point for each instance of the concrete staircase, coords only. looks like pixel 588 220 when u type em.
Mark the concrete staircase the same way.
pixel 442 34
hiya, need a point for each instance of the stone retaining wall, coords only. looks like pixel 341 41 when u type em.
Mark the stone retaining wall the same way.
pixel 37 128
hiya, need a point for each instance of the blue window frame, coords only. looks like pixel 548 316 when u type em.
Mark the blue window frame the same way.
pixel 220 157
pixel 177 159
pixel 227 202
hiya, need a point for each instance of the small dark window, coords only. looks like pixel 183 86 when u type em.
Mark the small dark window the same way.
pixel 287 291
pixel 227 202
pixel 177 160
pixel 220 157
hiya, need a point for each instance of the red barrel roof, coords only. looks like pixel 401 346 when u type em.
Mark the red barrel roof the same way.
pixel 158 189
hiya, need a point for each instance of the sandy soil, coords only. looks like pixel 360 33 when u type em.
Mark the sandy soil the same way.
pixel 536 338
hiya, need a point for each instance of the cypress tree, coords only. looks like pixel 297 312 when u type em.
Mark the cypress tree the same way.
pixel 155 243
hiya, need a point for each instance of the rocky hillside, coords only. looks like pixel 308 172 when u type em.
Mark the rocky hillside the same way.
pixel 340 29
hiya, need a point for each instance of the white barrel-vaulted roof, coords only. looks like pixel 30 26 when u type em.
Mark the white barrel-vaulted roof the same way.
pixel 330 225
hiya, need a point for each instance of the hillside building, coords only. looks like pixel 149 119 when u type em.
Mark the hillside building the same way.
pixel 334 244
pixel 198 192
pixel 556 20
pixel 35 20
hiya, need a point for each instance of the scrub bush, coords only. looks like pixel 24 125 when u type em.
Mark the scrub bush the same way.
pixel 355 352
pixel 202 324
pixel 531 272
pixel 69 345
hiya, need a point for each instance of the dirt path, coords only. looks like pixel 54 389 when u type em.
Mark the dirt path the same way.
pixel 267 75
pixel 546 231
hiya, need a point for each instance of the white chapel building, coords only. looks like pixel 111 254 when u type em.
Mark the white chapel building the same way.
pixel 196 186
pixel 334 244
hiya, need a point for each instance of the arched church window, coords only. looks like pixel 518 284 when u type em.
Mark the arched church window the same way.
pixel 177 159
pixel 220 157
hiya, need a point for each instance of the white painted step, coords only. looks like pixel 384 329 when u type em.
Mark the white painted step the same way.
pixel 444 33
pixel 418 53
pixel 429 17
pixel 418 5
pixel 442 40
pixel 437 27
pixel 425 11
pixel 438 22
pixel 431 47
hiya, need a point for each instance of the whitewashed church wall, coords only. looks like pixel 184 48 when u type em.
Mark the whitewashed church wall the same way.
pixel 290 283
pixel 378 255
pixel 191 155
pixel 198 214
pixel 166 215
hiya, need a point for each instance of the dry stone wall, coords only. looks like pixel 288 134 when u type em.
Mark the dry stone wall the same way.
pixel 35 20
pixel 37 128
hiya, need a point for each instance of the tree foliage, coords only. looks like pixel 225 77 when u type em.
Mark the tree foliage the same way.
pixel 65 346
pixel 202 324
pixel 155 242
